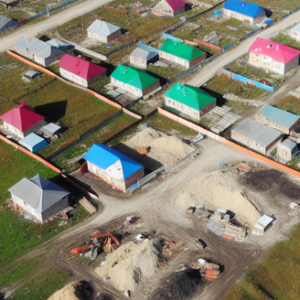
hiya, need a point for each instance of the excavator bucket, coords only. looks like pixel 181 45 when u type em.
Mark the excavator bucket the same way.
pixel 107 246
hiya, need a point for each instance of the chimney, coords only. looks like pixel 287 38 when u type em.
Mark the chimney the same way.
pixel 277 47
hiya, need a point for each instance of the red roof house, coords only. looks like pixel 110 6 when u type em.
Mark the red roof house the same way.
pixel 80 71
pixel 273 56
pixel 169 8
pixel 22 120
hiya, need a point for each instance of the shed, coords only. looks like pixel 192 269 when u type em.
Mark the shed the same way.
pixel 189 100
pixel 6 24
pixel 30 75
pixel 169 8
pixel 68 48
pixel 142 57
pixel 49 130
pixel 295 32
pixel 180 53
pixel 80 71
pixel 256 136
pixel 39 197
pixel 33 142
pixel 277 118
pixel 136 82
pixel 287 150
pixel 9 3
pixel 262 224
pixel 113 167
pixel 103 31
pixel 244 11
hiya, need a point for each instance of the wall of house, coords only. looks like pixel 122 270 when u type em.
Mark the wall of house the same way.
pixel 133 178
pixel 174 59
pixel 284 153
pixel 114 35
pixel 236 15
pixel 198 60
pixel 151 87
pixel 72 77
pixel 295 35
pixel 291 64
pixel 36 127
pixel 9 26
pixel 13 130
pixel 207 108
pixel 259 16
pixel 98 37
pixel 137 61
pixel 249 143
pixel 266 63
pixel 56 208
pixel 135 91
pixel 163 9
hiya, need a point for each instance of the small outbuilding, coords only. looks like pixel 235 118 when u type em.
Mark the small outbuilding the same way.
pixel 169 8
pixel 177 52
pixel 103 31
pixel 6 24
pixel 287 150
pixel 136 82
pixel 256 136
pixel 142 58
pixel 49 130
pixel 295 32
pixel 22 120
pixel 30 75
pixel 244 11
pixel 262 225
pixel 276 118
pixel 39 197
pixel 114 167
pixel 189 100
pixel 80 71
pixel 33 142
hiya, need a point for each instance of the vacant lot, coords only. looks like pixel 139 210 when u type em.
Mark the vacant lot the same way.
pixel 286 40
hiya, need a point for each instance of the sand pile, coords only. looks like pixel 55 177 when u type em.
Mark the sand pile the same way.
pixel 186 199
pixel 223 191
pixel 130 264
pixel 165 149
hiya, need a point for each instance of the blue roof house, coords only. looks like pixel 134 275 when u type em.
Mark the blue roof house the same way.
pixel 276 118
pixel 33 142
pixel 113 167
pixel 244 11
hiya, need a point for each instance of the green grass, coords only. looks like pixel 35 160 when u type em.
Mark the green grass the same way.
pixel 289 103
pixel 286 40
pixel 166 72
pixel 16 15
pixel 275 277
pixel 237 107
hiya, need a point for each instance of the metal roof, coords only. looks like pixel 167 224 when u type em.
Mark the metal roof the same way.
pixel 289 144
pixel 190 96
pixel 296 28
pixel 242 7
pixel 102 28
pixel 104 156
pixel 176 4
pixel 38 192
pixel 33 142
pixel 3 21
pixel 32 73
pixel 50 128
pixel 279 116
pixel 143 53
pixel 257 132
pixel 265 220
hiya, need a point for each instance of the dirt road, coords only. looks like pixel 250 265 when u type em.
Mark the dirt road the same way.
pixel 212 68
pixel 53 21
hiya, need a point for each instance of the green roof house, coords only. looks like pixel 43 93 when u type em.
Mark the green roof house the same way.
pixel 136 82
pixel 189 100
pixel 180 53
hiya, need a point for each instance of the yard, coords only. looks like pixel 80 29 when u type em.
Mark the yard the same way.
pixel 286 40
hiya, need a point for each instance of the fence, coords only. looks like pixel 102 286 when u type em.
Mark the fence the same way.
pixel 192 69
pixel 169 36
pixel 150 176
pixel 148 48
pixel 214 47
pixel 246 80
pixel 204 12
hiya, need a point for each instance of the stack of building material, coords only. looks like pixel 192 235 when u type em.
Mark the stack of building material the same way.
pixel 88 205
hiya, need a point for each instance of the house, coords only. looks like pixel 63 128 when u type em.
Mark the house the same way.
pixel 67 48
pixel 295 33
pixel 136 82
pixel 256 136
pixel 22 120
pixel 169 8
pixel 80 71
pixel 6 24
pixel 180 53
pixel 38 51
pixel 272 56
pixel 103 31
pixel 113 167
pixel 33 142
pixel 39 197
pixel 142 58
pixel 189 100
pixel 287 150
pixel 9 3
pixel 277 118
pixel 244 11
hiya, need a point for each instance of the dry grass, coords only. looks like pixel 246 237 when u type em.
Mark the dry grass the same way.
pixel 289 103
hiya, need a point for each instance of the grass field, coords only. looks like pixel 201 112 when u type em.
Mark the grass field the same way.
pixel 286 40
pixel 275 277
pixel 167 72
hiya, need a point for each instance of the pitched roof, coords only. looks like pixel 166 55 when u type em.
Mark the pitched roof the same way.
pixel 279 52
pixel 296 28
pixel 190 96
pixel 38 192
pixel 143 53
pixel 136 78
pixel 80 67
pixel 3 21
pixel 22 117
pixel 257 132
pixel 104 156
pixel 242 7
pixel 181 50
pixel 288 144
pixel 279 116
pixel 33 142
pixel 176 4
pixel 102 28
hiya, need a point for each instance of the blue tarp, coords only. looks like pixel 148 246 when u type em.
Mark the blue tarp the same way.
pixel 242 7
pixel 104 156
pixel 33 142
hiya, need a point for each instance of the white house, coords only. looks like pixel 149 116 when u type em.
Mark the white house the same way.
pixel 295 33
pixel 168 8
pixel 103 31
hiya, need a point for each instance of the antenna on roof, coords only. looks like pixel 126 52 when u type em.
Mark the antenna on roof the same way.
pixel 125 70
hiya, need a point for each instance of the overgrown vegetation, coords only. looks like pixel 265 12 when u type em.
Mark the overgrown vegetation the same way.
pixel 289 103
pixel 169 72
pixel 286 40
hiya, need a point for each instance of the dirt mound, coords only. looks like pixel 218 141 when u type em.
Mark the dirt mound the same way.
pixel 262 180
pixel 81 290
pixel 223 191
pixel 185 199
pixel 129 264
pixel 163 148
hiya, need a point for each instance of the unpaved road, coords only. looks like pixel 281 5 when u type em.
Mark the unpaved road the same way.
pixel 53 21
pixel 209 71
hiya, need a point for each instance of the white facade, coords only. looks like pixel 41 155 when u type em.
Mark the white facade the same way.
pixel 244 18
pixel 180 61
pixel 163 8
pixel 73 78
pixel 131 89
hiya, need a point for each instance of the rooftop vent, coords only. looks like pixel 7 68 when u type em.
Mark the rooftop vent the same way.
pixel 270 46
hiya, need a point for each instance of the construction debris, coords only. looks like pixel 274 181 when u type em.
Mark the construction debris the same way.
pixel 209 271
pixel 87 205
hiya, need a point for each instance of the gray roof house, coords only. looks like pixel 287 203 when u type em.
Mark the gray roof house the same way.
pixel 6 24
pixel 38 51
pixel 39 197
pixel 103 31
pixel 142 58
pixel 256 136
